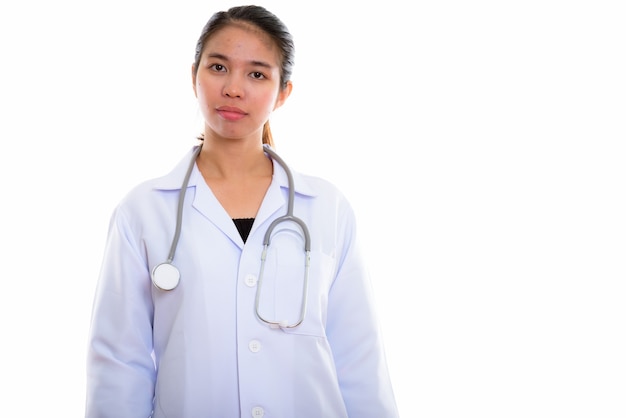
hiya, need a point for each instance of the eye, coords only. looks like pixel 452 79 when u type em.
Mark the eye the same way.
pixel 217 67
pixel 257 75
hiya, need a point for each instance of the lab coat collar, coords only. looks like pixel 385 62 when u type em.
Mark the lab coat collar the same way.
pixel 174 179
pixel 205 202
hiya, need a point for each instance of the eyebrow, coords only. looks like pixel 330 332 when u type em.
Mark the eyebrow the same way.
pixel 225 58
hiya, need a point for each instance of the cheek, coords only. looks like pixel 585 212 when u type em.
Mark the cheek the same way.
pixel 270 103
pixel 199 88
pixel 202 91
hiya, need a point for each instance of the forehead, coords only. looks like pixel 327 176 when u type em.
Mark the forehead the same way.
pixel 239 38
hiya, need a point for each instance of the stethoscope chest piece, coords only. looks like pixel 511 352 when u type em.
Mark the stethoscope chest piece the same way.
pixel 165 276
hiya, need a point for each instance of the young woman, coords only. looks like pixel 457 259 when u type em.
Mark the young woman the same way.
pixel 232 287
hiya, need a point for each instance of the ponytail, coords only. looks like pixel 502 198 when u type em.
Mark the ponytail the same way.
pixel 267 135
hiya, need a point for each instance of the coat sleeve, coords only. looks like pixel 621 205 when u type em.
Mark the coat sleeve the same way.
pixel 354 334
pixel 120 368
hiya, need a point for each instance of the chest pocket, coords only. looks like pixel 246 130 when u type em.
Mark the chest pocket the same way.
pixel 281 294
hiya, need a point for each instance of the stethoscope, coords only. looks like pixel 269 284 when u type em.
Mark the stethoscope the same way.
pixel 166 276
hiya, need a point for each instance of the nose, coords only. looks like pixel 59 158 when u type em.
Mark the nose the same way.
pixel 232 88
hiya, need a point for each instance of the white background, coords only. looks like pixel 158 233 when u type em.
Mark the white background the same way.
pixel 480 142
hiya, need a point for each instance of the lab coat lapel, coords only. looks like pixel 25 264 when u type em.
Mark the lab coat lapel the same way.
pixel 275 199
pixel 207 204
pixel 204 201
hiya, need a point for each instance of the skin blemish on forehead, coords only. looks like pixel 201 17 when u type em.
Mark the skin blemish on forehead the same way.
pixel 255 30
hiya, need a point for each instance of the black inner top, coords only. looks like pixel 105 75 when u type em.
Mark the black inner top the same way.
pixel 244 225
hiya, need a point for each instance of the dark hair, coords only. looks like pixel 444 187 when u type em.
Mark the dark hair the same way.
pixel 265 21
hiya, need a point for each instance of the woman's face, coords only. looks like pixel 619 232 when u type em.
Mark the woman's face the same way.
pixel 237 82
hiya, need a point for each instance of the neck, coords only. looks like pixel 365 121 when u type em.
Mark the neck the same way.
pixel 233 160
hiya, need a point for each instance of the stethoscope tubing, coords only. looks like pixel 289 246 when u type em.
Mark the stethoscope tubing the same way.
pixel 181 202
pixel 290 202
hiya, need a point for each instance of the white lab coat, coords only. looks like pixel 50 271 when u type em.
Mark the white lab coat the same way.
pixel 199 350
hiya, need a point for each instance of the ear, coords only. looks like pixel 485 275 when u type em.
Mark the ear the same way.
pixel 193 79
pixel 283 95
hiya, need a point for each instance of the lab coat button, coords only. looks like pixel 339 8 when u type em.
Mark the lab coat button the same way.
pixel 257 412
pixel 254 346
pixel 250 280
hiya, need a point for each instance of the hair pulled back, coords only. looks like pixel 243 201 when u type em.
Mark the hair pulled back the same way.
pixel 267 22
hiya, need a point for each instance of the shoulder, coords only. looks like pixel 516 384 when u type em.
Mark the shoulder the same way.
pixel 322 194
pixel 149 193
pixel 316 186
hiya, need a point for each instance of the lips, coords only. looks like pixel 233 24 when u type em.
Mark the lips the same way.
pixel 231 113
